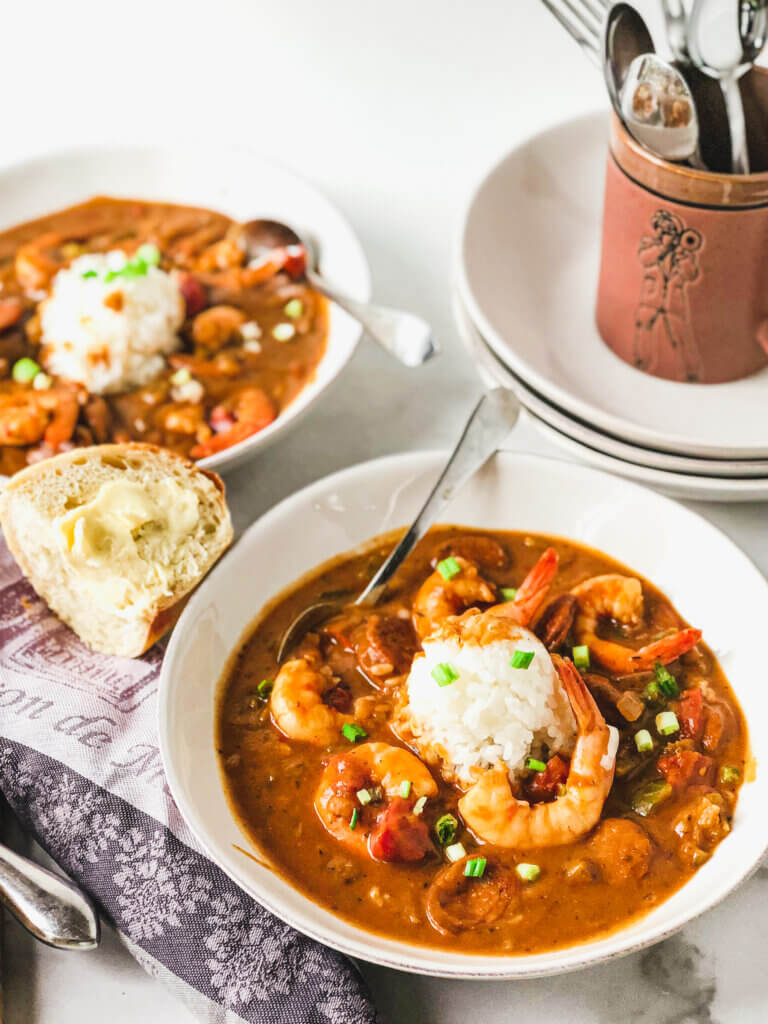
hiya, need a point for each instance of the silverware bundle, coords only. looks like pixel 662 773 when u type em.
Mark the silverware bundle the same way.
pixel 717 40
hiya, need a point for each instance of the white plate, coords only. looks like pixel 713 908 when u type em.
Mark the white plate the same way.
pixel 673 547
pixel 599 450
pixel 237 182
pixel 527 271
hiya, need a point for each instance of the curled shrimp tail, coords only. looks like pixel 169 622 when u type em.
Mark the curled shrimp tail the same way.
pixel 532 592
pixel 669 648
pixel 585 710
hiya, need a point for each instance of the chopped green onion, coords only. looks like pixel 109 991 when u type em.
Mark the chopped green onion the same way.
pixel 475 867
pixel 448 568
pixel 528 872
pixel 667 723
pixel 283 332
pixel 647 798
pixel 418 807
pixel 666 681
pixel 405 789
pixel 522 659
pixel 149 254
pixel 444 674
pixel 294 309
pixel 581 656
pixel 364 796
pixel 354 819
pixel 455 852
pixel 653 694
pixel 509 593
pixel 729 774
pixel 535 766
pixel 24 370
pixel 353 732
pixel 90 273
pixel 264 688
pixel 445 829
pixel 643 741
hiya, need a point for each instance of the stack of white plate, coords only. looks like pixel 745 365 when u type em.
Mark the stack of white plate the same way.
pixel 526 281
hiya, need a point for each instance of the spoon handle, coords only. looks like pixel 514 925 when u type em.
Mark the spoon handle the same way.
pixel 491 421
pixel 52 908
pixel 404 335
pixel 736 123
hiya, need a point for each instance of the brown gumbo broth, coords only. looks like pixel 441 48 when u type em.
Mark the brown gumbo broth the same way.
pixel 666 811
pixel 245 379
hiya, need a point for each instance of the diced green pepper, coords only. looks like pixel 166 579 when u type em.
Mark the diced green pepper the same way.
pixel 650 796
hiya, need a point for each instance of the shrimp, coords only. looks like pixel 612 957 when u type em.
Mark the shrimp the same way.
pixel 251 411
pixel 438 598
pixel 621 598
pixel 532 591
pixel 298 706
pixel 27 417
pixel 383 824
pixel 37 262
pixel 496 816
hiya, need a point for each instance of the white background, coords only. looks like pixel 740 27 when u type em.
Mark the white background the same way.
pixel 395 109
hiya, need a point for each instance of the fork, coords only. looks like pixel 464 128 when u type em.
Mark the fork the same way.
pixel 583 20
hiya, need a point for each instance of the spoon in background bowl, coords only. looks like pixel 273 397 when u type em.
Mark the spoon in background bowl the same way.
pixel 404 335
pixel 489 424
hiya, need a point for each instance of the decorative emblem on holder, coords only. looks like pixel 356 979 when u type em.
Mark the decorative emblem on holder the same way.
pixel 662 317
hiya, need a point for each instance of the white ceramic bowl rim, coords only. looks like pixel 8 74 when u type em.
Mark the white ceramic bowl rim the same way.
pixel 253 186
pixel 740 852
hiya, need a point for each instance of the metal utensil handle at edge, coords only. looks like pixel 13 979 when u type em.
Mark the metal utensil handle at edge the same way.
pixel 491 421
pixel 52 908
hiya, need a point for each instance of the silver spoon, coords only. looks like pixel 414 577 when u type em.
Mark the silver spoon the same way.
pixel 490 422
pixel 650 95
pixel 54 909
pixel 404 335
pixel 716 48
pixel 753 28
pixel 677 28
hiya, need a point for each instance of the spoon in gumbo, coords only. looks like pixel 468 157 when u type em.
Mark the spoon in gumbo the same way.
pixel 404 335
pixel 490 422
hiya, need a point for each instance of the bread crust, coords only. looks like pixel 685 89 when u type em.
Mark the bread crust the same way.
pixel 144 631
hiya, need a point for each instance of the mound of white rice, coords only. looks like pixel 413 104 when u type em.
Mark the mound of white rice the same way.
pixel 492 712
pixel 110 332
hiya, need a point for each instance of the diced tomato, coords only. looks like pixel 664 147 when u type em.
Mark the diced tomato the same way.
pixel 691 714
pixel 399 835
pixel 687 768
pixel 193 292
pixel 295 261
pixel 543 785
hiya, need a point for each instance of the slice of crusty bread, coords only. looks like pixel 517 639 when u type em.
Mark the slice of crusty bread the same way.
pixel 33 501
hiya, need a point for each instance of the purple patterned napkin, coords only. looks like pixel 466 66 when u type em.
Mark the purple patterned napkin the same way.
pixel 80 765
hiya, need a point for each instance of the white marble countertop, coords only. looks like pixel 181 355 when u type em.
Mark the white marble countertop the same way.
pixel 395 110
